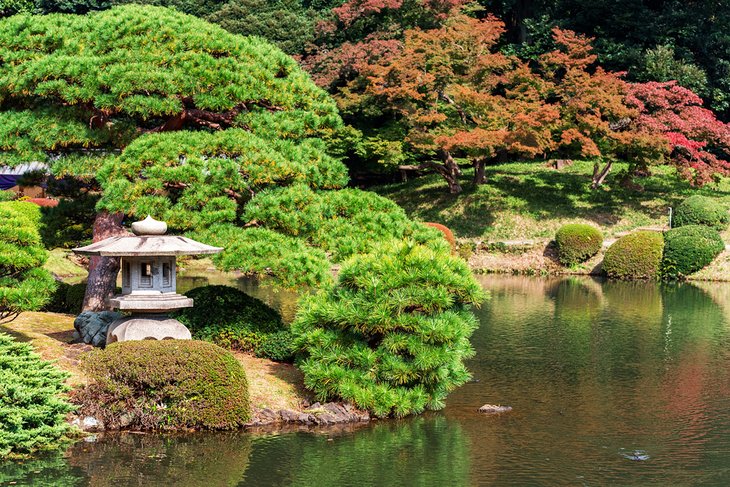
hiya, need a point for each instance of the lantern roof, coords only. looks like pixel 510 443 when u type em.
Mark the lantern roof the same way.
pixel 148 241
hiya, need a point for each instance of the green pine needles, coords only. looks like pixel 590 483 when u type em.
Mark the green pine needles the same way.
pixel 24 284
pixel 32 409
pixel 392 334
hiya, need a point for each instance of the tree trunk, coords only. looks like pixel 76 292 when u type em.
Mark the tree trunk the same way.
pixel 480 176
pixel 451 172
pixel 103 270
pixel 600 175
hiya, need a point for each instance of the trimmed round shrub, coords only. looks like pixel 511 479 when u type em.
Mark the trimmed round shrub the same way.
pixel 166 384
pixel 232 319
pixel 635 256
pixel 577 242
pixel 392 334
pixel 448 234
pixel 32 408
pixel 688 249
pixel 701 210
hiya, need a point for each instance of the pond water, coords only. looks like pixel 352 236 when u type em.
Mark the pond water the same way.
pixel 611 383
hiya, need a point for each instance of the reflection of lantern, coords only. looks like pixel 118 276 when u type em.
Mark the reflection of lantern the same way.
pixel 148 280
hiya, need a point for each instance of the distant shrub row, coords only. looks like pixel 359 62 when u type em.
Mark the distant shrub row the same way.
pixel 692 244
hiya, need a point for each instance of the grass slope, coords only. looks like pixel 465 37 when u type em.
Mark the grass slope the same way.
pixel 531 201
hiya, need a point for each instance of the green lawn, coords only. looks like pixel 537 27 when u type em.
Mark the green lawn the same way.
pixel 531 201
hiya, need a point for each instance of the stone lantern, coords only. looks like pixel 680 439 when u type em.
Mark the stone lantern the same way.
pixel 148 264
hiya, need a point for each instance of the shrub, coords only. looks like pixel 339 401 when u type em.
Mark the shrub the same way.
pixel 392 334
pixel 701 210
pixel 448 234
pixel 165 384
pixel 577 242
pixel 32 409
pixel 688 249
pixel 232 319
pixel 24 284
pixel 635 256
pixel 75 298
pixel 7 196
pixel 57 303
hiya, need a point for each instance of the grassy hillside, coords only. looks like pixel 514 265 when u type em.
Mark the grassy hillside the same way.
pixel 531 201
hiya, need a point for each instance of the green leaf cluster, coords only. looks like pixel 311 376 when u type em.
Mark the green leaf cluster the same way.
pixel 32 408
pixel 392 334
pixel 24 284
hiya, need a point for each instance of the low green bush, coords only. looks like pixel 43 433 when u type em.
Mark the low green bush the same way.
pixel 577 242
pixel 446 231
pixel 701 210
pixel 232 319
pixel 635 256
pixel 392 334
pixel 32 407
pixel 75 298
pixel 688 249
pixel 166 384
pixel 7 196
pixel 57 303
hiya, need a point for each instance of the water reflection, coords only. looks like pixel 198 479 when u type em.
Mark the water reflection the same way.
pixel 611 383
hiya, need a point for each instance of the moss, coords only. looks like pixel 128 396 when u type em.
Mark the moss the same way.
pixel 701 210
pixel 688 249
pixel 577 242
pixel 635 256
pixel 168 384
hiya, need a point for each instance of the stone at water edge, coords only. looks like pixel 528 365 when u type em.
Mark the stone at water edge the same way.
pixel 494 409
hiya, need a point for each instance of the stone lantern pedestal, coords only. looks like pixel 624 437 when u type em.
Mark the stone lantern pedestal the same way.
pixel 148 265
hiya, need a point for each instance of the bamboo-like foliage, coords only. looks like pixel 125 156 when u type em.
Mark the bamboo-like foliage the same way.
pixel 392 334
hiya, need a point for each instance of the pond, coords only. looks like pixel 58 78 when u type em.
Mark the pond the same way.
pixel 611 383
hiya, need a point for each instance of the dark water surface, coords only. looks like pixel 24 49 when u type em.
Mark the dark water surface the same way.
pixel 611 384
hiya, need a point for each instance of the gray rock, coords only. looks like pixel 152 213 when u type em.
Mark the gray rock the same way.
pixel 91 327
pixel 91 424
pixel 494 409
pixel 125 420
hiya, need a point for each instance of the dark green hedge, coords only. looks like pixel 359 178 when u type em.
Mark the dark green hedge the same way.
pixel 32 408
pixel 577 242
pixel 166 384
pixel 635 256
pixel 232 319
pixel 701 210
pixel 688 249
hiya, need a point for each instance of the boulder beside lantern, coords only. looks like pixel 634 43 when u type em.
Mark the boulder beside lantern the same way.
pixel 148 265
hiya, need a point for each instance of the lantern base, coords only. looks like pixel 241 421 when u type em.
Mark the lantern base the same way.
pixel 146 327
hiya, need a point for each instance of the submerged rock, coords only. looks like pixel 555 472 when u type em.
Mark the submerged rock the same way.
pixel 494 409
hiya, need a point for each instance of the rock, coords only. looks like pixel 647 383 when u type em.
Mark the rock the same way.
pixel 89 423
pixel 91 327
pixel 289 416
pixel 125 420
pixel 494 409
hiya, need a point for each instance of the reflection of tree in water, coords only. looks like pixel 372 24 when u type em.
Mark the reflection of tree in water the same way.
pixel 415 451
pixel 50 470
pixel 188 460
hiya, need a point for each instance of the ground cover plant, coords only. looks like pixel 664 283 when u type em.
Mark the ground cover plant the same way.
pixel 232 319
pixel 166 384
pixel 635 256
pixel 32 404
pixel 392 334
pixel 577 242
pixel 688 249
